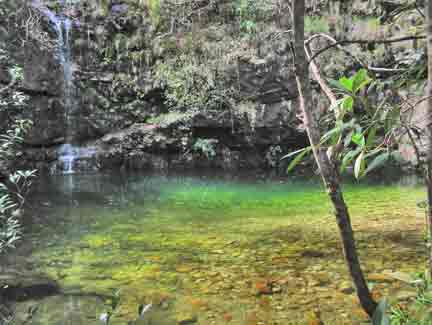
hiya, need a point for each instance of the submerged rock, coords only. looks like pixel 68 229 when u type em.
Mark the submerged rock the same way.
pixel 16 286
pixel 186 319
pixel 60 309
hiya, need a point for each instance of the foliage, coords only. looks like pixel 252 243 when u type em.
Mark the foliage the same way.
pixel 206 147
pixel 17 73
pixel 249 12
pixel 154 7
pixel 368 138
pixel 190 84
pixel 14 98
pixel 170 118
pixel 417 312
pixel 11 201
pixel 380 316
pixel 9 226
pixel 316 25
pixel 14 190
pixel 272 155
pixel 363 135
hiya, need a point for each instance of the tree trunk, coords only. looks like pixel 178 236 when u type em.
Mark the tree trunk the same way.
pixel 327 168
pixel 428 127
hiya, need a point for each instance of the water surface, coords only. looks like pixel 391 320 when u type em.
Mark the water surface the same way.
pixel 218 250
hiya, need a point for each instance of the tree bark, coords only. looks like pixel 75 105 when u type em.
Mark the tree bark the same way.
pixel 326 167
pixel 428 127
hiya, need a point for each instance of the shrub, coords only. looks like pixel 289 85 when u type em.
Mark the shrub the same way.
pixel 206 147
pixel 13 190
pixel 190 84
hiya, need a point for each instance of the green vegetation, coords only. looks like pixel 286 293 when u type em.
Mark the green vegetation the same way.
pixel 193 247
pixel 250 12
pixel 191 85
pixel 14 184
pixel 154 7
pixel 356 132
pixel 316 25
pixel 14 190
pixel 414 309
pixel 205 147
pixel 172 118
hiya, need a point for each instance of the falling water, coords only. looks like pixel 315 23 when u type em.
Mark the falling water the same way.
pixel 69 155
pixel 62 24
pixel 67 152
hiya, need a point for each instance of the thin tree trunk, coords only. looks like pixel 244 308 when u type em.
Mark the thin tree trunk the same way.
pixel 428 127
pixel 327 169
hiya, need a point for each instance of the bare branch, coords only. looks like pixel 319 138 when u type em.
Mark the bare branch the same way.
pixel 365 41
pixel 340 47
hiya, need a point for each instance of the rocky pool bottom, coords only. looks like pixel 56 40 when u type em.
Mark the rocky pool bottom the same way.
pixel 213 250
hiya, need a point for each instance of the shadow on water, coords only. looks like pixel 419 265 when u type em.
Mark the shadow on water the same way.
pixel 191 245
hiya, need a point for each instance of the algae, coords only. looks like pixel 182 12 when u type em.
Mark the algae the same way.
pixel 242 252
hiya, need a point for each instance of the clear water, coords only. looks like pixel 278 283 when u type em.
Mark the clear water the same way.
pixel 221 249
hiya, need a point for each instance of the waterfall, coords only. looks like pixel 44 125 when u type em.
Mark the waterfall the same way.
pixel 71 157
pixel 67 152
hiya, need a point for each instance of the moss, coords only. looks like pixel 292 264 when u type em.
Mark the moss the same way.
pixel 166 119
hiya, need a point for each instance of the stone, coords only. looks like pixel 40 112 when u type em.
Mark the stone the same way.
pixel 346 287
pixel 51 310
pixel 19 286
pixel 186 319
pixel 380 277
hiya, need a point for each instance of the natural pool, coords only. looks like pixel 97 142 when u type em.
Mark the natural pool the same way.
pixel 216 250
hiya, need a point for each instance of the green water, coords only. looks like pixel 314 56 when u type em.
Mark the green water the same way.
pixel 220 250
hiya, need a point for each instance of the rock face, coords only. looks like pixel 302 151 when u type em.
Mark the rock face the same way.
pixel 119 102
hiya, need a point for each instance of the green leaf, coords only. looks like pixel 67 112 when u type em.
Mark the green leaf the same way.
pixel 378 161
pixel 360 80
pixel 294 153
pixel 330 134
pixel 336 104
pixel 380 316
pixel 298 159
pixel 359 165
pixel 336 131
pixel 347 140
pixel 347 103
pixel 371 136
pixel 336 84
pixel 348 158
pixel 358 139
pixel 347 84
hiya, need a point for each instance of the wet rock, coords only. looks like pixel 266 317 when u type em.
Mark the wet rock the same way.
pixel 60 310
pixel 346 287
pixel 380 277
pixel 263 78
pixel 18 286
